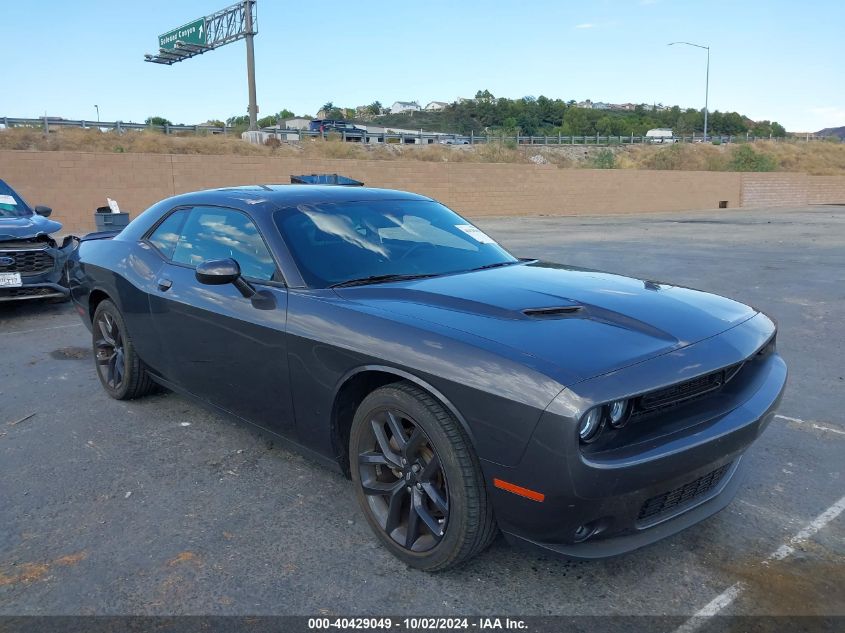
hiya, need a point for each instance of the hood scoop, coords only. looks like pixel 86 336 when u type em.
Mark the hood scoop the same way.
pixel 552 312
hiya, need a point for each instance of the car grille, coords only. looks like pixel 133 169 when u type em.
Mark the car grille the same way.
pixel 674 498
pixel 683 391
pixel 32 291
pixel 27 262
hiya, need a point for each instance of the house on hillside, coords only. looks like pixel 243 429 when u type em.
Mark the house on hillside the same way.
pixel 402 107
pixel 436 106
pixel 587 105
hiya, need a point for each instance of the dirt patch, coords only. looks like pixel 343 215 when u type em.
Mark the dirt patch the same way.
pixel 71 353
pixel 183 557
pixel 28 573
pixel 805 585
pixel 71 559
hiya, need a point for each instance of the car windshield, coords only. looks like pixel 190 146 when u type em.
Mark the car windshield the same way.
pixel 377 241
pixel 9 207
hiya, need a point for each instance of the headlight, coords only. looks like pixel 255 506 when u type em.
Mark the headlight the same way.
pixel 618 413
pixel 590 424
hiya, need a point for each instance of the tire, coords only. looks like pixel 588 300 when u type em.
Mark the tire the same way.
pixel 121 372
pixel 431 510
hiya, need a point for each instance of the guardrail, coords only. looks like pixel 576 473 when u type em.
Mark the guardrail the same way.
pixel 48 123
pixel 430 138
pixel 415 138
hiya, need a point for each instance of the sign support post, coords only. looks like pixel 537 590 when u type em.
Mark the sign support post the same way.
pixel 250 66
pixel 235 22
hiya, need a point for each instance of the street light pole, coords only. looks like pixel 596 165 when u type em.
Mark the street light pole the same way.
pixel 96 107
pixel 706 80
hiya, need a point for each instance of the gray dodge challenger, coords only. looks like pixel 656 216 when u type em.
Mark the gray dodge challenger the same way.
pixel 464 391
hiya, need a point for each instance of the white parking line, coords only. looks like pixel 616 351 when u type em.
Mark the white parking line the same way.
pixel 810 423
pixel 814 526
pixel 713 607
pixel 730 594
pixel 39 329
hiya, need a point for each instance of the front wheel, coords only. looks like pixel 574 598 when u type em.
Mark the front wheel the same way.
pixel 418 480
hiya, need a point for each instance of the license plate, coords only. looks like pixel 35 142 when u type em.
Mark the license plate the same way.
pixel 10 280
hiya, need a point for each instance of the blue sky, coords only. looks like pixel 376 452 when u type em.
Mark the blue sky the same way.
pixel 772 59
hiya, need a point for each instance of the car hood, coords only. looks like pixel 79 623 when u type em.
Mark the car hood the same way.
pixel 585 322
pixel 26 227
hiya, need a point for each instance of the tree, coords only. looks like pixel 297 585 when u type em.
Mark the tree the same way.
pixel 273 119
pixel 374 108
pixel 327 107
pixel 604 126
pixel 778 130
pixel 157 120
pixel 576 122
pixel 238 121
pixel 484 95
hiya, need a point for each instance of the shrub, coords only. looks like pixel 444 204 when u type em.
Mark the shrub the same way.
pixel 604 159
pixel 745 158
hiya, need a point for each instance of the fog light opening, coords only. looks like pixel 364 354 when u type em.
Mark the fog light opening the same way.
pixel 585 531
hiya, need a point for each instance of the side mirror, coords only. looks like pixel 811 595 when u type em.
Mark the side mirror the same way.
pixel 42 210
pixel 219 272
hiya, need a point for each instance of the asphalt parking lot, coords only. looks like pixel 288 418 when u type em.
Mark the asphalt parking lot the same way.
pixel 158 507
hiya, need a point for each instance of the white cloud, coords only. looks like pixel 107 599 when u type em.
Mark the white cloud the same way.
pixel 586 25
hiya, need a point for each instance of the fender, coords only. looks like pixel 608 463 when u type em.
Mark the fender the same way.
pixel 411 378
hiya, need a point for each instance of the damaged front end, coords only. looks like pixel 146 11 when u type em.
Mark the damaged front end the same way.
pixel 33 265
pixel 34 268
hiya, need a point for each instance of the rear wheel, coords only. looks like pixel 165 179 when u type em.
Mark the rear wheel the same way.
pixel 121 372
pixel 418 480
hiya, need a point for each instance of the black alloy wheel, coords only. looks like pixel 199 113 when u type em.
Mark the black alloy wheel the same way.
pixel 404 481
pixel 121 372
pixel 108 349
pixel 418 480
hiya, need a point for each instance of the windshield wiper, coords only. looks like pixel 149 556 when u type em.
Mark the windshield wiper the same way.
pixel 495 265
pixel 376 279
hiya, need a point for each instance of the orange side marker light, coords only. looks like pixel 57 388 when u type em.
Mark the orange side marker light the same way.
pixel 519 490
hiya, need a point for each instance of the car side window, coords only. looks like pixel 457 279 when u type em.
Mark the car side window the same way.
pixel 166 235
pixel 215 233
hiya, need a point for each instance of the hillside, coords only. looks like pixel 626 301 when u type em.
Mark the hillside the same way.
pixel 838 132
pixel 817 157
pixel 544 116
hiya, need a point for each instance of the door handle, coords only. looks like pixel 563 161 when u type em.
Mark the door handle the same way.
pixel 164 284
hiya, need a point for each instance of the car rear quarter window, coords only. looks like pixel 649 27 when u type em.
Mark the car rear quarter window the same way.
pixel 215 233
pixel 166 235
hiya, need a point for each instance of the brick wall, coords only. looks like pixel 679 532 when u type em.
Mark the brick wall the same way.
pixel 826 190
pixel 775 190
pixel 75 183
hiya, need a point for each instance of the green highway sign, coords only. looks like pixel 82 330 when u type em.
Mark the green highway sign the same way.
pixel 191 33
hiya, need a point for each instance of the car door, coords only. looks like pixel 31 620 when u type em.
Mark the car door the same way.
pixel 222 347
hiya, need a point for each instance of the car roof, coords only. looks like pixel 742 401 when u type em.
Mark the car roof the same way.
pixel 281 195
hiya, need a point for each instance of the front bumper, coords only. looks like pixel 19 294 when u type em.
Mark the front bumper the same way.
pixel 683 470
pixel 631 540
pixel 51 283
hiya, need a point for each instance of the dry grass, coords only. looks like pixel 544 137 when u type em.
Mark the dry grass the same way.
pixel 813 158
pixel 79 140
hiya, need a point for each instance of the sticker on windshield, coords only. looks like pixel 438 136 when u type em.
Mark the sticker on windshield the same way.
pixel 475 233
pixel 4 199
